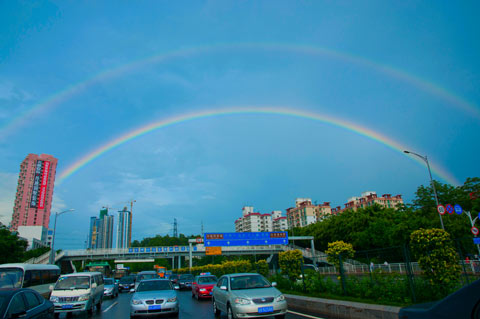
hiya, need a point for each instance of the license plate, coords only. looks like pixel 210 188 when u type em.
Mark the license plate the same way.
pixel 265 309
pixel 67 306
pixel 155 307
pixel 210 293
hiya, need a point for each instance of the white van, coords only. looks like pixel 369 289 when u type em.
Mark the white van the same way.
pixel 77 292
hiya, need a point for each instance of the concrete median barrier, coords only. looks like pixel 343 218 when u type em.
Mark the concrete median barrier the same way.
pixel 340 309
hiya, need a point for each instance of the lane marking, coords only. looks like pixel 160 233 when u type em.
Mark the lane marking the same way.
pixel 304 315
pixel 111 306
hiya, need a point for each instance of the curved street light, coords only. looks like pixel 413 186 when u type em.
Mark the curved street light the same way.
pixel 52 249
pixel 425 159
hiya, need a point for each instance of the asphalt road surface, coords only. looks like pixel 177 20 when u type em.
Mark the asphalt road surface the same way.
pixel 119 308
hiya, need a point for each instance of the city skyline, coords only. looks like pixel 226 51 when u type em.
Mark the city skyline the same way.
pixel 194 111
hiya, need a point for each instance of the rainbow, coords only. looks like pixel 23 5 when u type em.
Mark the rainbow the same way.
pixel 70 91
pixel 143 130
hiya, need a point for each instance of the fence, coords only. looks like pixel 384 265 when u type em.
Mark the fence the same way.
pixel 387 275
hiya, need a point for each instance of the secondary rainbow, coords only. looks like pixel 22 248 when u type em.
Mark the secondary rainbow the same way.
pixel 68 92
pixel 355 128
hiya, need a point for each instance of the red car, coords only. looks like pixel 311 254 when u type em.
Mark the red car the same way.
pixel 203 285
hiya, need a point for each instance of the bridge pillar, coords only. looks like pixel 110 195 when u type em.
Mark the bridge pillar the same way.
pixel 179 262
pixel 190 255
pixel 313 252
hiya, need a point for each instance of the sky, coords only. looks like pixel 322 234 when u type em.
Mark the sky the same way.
pixel 195 109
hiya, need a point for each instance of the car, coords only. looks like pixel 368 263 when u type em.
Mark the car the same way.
pixel 126 283
pixel 185 281
pixel 247 295
pixel 78 292
pixel 110 288
pixel 144 275
pixel 310 267
pixel 24 303
pixel 202 286
pixel 174 278
pixel 153 297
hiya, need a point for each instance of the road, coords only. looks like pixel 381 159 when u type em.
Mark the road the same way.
pixel 119 308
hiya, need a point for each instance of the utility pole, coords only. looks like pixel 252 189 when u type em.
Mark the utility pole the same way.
pixel 175 229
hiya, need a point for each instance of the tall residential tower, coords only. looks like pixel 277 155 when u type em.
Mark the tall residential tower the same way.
pixel 101 231
pixel 33 200
pixel 123 228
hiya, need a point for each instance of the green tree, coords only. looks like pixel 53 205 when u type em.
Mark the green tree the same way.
pixel 436 256
pixel 339 249
pixel 261 267
pixel 35 253
pixel 12 248
pixel 291 262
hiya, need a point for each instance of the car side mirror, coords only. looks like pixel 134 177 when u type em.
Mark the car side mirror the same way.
pixel 274 284
pixel 132 290
pixel 94 285
pixel 223 287
pixel 50 287
pixel 21 314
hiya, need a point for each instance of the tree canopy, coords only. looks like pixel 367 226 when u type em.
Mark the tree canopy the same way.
pixel 12 247
pixel 375 227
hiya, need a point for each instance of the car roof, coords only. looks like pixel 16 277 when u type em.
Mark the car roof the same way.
pixel 243 274
pixel 30 266
pixel 85 273
pixel 12 291
pixel 147 272
pixel 160 279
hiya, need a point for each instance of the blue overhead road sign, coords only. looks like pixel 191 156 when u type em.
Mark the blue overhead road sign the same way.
pixel 245 239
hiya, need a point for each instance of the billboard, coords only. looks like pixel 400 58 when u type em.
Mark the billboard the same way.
pixel 43 187
pixel 245 239
pixel 36 184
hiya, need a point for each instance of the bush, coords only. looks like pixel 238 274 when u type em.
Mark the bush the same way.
pixel 337 249
pixel 261 267
pixel 435 254
pixel 291 262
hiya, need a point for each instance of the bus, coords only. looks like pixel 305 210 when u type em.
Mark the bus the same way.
pixel 36 277
pixel 160 270
pixel 103 267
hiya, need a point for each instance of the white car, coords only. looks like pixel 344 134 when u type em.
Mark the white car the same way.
pixel 78 292
pixel 248 295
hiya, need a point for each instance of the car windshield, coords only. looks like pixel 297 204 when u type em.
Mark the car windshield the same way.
pixel 207 280
pixel 154 285
pixel 108 281
pixel 186 277
pixel 248 282
pixel 73 282
pixel 147 276
pixel 11 277
pixel 126 280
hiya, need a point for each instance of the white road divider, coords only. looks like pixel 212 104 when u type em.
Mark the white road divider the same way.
pixel 111 306
pixel 304 315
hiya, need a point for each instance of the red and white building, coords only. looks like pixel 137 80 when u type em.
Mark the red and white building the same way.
pixel 279 222
pixel 369 199
pixel 33 200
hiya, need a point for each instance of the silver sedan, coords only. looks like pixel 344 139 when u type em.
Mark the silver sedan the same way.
pixel 247 296
pixel 153 297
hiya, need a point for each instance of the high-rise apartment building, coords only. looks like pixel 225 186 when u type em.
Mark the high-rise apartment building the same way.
pixel 256 222
pixel 369 199
pixel 279 222
pixel 123 228
pixel 101 231
pixel 33 200
pixel 305 213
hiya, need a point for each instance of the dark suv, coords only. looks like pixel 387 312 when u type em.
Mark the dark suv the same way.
pixel 185 281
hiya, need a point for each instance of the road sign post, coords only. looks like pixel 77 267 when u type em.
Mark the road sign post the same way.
pixel 441 209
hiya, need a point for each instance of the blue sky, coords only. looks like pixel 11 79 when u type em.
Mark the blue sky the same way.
pixel 243 54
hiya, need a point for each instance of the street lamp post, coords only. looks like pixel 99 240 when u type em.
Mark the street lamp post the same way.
pixel 52 250
pixel 425 159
